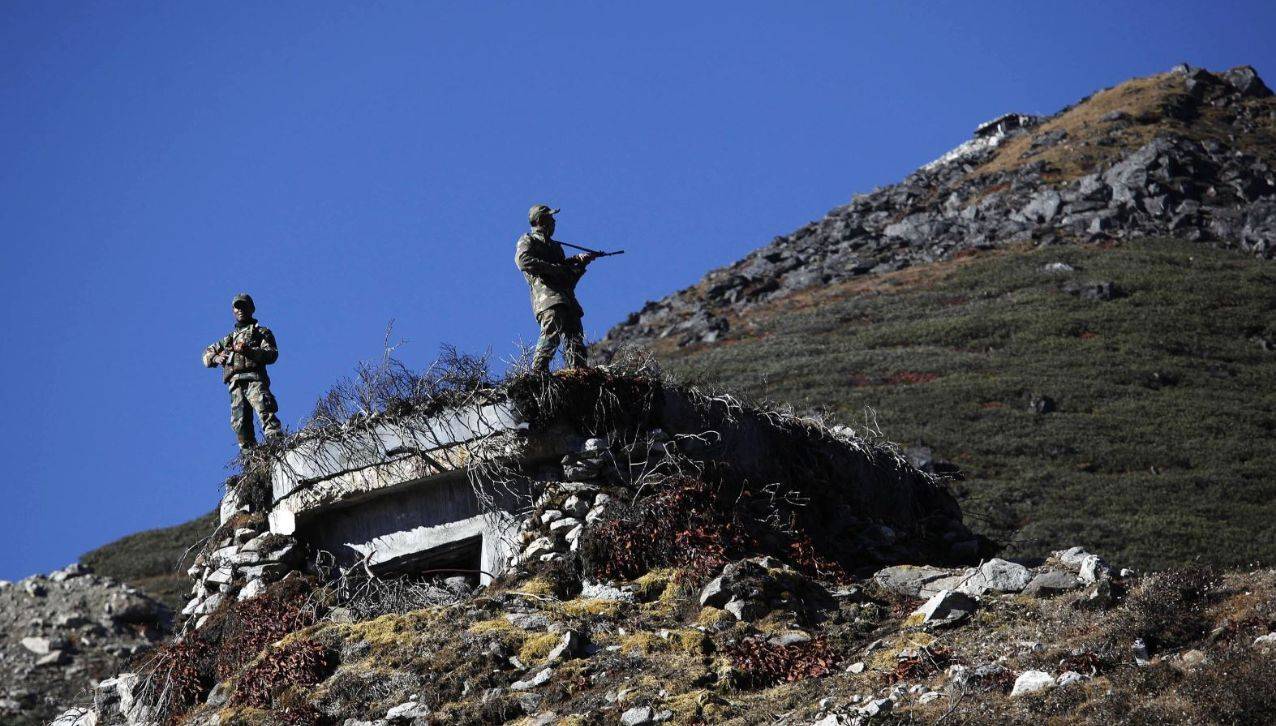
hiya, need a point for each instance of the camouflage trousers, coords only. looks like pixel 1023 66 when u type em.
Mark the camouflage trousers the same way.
pixel 245 397
pixel 560 324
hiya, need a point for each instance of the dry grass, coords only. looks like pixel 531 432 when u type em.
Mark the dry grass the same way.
pixel 1149 105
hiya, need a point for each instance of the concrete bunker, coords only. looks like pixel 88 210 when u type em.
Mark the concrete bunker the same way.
pixel 454 489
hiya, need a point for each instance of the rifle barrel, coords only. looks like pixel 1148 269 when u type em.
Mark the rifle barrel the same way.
pixel 600 253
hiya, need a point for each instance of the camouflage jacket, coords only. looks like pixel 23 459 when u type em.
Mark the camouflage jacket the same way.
pixel 550 276
pixel 248 366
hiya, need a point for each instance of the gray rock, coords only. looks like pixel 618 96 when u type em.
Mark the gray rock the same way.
pixel 128 607
pixel 269 571
pixel 43 646
pixel 571 646
pixel 576 506
pixel 1051 582
pixel 252 589
pixel 996 575
pixel 1093 569
pixel 1032 681
pixel 910 580
pixel 541 546
pixel 1246 82
pixel 1067 678
pixel 638 716
pixel 220 576
pixel 220 694
pixel 715 593
pixel 746 609
pixel 1098 596
pixel 790 637
pixel 603 591
pixel 1044 207
pixel 528 621
pixel 564 525
pixel 945 608
pixel 877 707
pixel 539 678
pixel 407 712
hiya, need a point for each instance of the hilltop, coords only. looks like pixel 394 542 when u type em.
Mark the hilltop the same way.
pixel 1072 311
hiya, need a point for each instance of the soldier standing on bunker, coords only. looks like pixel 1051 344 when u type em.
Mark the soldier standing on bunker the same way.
pixel 552 277
pixel 243 356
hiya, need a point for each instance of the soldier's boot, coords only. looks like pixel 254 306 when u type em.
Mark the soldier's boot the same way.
pixel 270 426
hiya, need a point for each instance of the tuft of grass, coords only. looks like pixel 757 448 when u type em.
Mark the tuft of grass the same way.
pixel 592 607
pixel 537 647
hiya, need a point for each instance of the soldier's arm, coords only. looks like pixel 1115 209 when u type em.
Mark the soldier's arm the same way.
pixel 266 352
pixel 214 350
pixel 528 262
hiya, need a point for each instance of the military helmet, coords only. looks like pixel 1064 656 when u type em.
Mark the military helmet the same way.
pixel 244 300
pixel 537 211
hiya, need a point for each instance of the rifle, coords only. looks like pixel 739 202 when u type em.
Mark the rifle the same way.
pixel 595 253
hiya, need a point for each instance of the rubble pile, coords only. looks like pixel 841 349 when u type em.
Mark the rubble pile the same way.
pixel 61 631
pixel 243 558
pixel 1198 184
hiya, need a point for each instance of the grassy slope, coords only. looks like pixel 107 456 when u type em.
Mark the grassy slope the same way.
pixel 150 560
pixel 1160 450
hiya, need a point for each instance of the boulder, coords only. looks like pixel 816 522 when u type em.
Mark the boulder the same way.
pixel 1245 80
pixel 996 575
pixel 945 608
pixel 912 580
pixel 1031 682
pixel 1093 569
pixel 714 593
pixel 43 646
pixel 1051 582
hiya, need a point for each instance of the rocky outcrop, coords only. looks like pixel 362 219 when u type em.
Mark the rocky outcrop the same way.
pixel 241 560
pixel 61 632
pixel 1199 184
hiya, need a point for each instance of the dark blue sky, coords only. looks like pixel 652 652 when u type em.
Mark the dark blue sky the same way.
pixel 349 164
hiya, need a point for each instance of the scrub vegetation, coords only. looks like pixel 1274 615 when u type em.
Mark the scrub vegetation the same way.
pixel 1132 425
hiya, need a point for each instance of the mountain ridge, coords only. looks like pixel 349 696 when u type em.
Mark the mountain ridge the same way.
pixel 1043 182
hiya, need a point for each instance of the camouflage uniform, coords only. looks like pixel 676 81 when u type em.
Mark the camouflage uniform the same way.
pixel 245 375
pixel 552 278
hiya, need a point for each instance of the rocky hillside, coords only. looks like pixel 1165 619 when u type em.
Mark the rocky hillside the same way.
pixel 61 633
pixel 1187 154
pixel 1073 311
